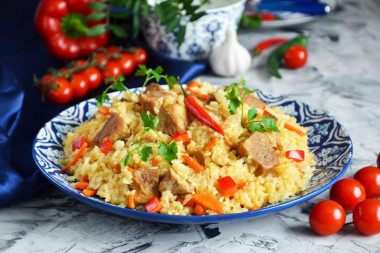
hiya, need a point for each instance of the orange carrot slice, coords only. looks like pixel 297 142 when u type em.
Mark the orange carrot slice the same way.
pixel 208 202
pixel 76 158
pixel 198 210
pixel 193 163
pixel 88 192
pixel 81 185
pixel 212 143
pixel 294 129
pixel 131 201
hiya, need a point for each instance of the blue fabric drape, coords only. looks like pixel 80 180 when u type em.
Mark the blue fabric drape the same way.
pixel 22 113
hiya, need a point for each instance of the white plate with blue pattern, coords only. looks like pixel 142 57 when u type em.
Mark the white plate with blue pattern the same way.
pixel 328 140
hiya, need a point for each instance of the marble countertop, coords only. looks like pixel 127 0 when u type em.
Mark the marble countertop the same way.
pixel 342 78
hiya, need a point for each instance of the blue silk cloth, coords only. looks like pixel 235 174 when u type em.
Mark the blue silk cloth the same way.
pixel 22 113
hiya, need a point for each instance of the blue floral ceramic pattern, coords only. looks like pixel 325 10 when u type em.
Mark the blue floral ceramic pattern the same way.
pixel 328 140
pixel 201 35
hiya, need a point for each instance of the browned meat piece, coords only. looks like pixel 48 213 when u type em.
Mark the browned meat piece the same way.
pixel 173 119
pixel 145 182
pixel 153 97
pixel 259 149
pixel 252 100
pixel 111 128
pixel 174 183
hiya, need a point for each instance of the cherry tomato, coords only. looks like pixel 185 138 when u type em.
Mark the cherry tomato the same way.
pixel 140 56
pixel 112 49
pixel 369 177
pixel 378 160
pixel 127 64
pixel 100 58
pixel 113 68
pixel 295 57
pixel 348 192
pixel 61 94
pixel 327 217
pixel 94 76
pixel 80 84
pixel 366 217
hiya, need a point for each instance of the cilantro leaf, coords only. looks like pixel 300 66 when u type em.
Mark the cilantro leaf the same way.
pixel 145 152
pixel 252 113
pixel 117 84
pixel 171 81
pixel 169 151
pixel 126 161
pixel 101 98
pixel 242 81
pixel 149 121
pixel 233 105
pixel 248 91
pixel 270 123
pixel 256 127
pixel 155 74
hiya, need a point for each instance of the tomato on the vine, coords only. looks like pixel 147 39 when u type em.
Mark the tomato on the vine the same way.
pixel 58 90
pixel 100 58
pixel 140 56
pixel 366 217
pixel 112 68
pixel 80 84
pixel 327 217
pixel 369 177
pixel 127 63
pixel 295 56
pixel 94 76
pixel 348 192
pixel 112 49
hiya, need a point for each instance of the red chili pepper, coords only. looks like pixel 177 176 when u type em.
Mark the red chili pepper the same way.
pixel 63 26
pixel 296 155
pixel 200 113
pixel 227 186
pixel 267 43
pixel 153 205
pixel 267 16
pixel 78 142
pixel 106 146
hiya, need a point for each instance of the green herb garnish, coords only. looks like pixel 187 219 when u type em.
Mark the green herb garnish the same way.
pixel 236 99
pixel 155 74
pixel 117 84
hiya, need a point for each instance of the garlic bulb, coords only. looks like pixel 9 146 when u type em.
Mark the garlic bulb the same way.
pixel 230 58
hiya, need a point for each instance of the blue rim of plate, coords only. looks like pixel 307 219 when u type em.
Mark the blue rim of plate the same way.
pixel 328 140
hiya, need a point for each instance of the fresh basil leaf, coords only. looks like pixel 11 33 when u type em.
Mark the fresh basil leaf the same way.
pixel 253 127
pixel 145 152
pixel 96 16
pixel 96 30
pixel 172 25
pixel 270 123
pixel 181 35
pixel 118 31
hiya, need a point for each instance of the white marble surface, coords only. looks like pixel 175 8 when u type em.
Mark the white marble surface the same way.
pixel 342 78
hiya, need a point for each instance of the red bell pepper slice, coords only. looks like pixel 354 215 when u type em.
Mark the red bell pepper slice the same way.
pixel 296 155
pixel 104 110
pixel 106 146
pixel 153 205
pixel 227 186
pixel 78 142
pixel 181 136
pixel 63 26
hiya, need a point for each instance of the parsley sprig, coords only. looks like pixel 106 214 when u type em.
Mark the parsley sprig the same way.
pixel 118 84
pixel 168 150
pixel 155 74
pixel 237 100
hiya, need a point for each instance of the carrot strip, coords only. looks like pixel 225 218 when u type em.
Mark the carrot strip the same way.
pixel 255 207
pixel 76 158
pixel 198 210
pixel 84 179
pixel 208 202
pixel 294 129
pixel 81 185
pixel 154 162
pixel 190 203
pixel 193 84
pixel 193 163
pixel 200 95
pixel 104 110
pixel 245 184
pixel 212 143
pixel 89 192
pixel 130 170
pixel 131 201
